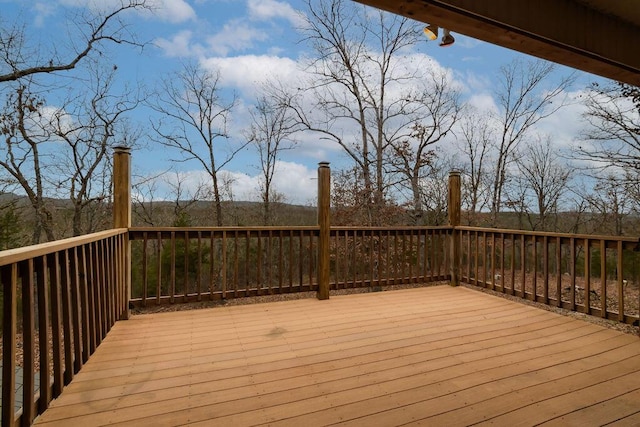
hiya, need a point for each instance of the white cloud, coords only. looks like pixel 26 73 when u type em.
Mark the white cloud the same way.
pixel 566 124
pixel 180 45
pixel 483 102
pixel 236 35
pixel 467 42
pixel 261 10
pixel 296 182
pixel 42 10
pixel 174 11
pixel 248 72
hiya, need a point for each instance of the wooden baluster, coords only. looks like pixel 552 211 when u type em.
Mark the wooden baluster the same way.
pixel 379 260
pixel 484 260
pixel 291 236
pixel 603 279
pixel 172 278
pixel 44 335
pixel 159 266
pixel 534 259
pixel 212 258
pixel 9 279
pixel 587 276
pixel 66 318
pixel 311 260
pixel 495 275
pixel 512 265
pixel 545 268
pixel 199 268
pixel 559 271
pixel 91 297
pixel 145 275
pixel 476 241
pixel 301 260
pixel 186 247
pixel 269 263
pixel 403 263
pixel 225 243
pixel 56 322
pixel 28 341
pixel 84 302
pixel 76 313
pixel 502 252
pixel 620 265
pixel 523 266
pixel 280 261
pixel 573 254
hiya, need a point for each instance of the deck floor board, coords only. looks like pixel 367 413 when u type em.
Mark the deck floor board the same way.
pixel 426 356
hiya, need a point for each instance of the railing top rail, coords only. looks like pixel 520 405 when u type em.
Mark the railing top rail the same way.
pixel 399 228
pixel 230 228
pixel 279 228
pixel 12 256
pixel 550 234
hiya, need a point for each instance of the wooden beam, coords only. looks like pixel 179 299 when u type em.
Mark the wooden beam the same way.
pixel 563 31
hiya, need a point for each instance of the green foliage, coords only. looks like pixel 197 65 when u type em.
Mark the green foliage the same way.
pixel 10 227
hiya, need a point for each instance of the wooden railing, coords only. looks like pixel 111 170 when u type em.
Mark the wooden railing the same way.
pixel 59 301
pixel 191 264
pixel 381 256
pixel 596 275
pixel 176 265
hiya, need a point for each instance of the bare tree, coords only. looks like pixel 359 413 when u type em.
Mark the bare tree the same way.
pixel 10 213
pixel 22 155
pixel 89 125
pixel 349 201
pixel 184 197
pixel 20 59
pixel 194 123
pixel 143 198
pixel 610 201
pixel 525 96
pixel 271 132
pixel 631 92
pixel 476 139
pixel 412 156
pixel 611 138
pixel 543 179
pixel 434 188
pixel 349 100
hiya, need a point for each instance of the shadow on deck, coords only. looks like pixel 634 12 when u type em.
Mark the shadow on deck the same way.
pixel 434 356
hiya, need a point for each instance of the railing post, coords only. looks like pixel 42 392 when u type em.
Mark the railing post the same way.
pixel 454 207
pixel 324 202
pixel 122 219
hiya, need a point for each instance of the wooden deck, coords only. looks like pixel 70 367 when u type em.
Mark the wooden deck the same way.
pixel 430 356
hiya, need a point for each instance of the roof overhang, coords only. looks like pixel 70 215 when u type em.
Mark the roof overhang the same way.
pixel 598 36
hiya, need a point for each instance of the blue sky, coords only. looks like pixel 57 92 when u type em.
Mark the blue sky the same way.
pixel 250 40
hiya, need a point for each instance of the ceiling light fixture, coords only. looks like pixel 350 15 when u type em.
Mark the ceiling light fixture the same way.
pixel 447 38
pixel 431 31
